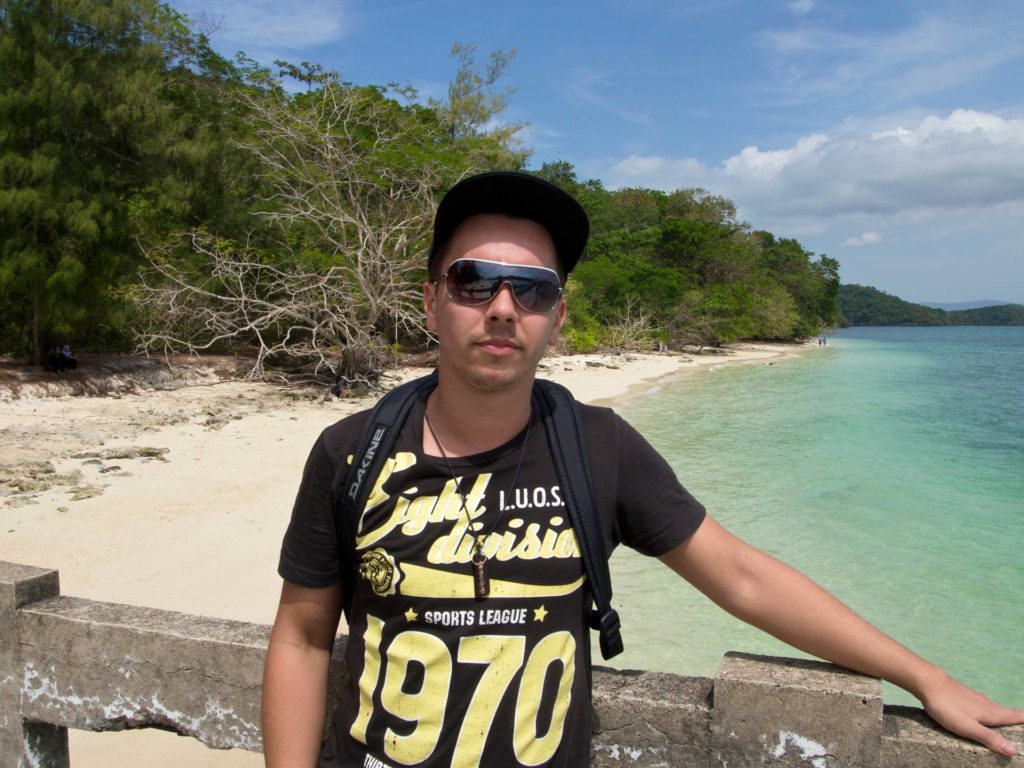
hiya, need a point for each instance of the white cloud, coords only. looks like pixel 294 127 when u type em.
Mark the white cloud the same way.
pixel 657 172
pixel 967 160
pixel 934 53
pixel 868 238
pixel 801 7
pixel 752 163
pixel 964 171
pixel 259 26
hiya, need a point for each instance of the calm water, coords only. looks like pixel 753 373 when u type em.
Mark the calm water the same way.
pixel 888 466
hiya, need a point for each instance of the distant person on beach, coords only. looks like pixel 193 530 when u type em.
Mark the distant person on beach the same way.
pixel 468 638
pixel 61 360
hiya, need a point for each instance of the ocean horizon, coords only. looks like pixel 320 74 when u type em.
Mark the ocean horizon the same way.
pixel 888 466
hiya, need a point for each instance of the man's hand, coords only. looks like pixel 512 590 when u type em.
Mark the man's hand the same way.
pixel 965 712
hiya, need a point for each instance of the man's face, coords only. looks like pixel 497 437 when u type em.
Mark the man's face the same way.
pixel 496 345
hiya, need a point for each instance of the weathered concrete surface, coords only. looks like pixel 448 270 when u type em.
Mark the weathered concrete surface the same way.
pixel 650 719
pixel 23 742
pixel 67 662
pixel 101 666
pixel 911 739
pixel 793 712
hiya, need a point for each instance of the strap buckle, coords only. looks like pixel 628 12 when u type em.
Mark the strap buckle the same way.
pixel 608 626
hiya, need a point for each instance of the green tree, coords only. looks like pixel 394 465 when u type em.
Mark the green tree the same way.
pixel 82 94
pixel 560 172
pixel 812 284
pixel 696 204
pixel 774 313
pixel 348 181
pixel 692 269
pixel 828 272
pixel 685 243
pixel 613 284
pixel 470 116
pixel 635 208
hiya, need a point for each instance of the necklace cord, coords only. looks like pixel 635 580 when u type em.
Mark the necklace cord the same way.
pixel 478 539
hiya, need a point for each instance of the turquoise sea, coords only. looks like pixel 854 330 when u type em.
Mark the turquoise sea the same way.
pixel 888 466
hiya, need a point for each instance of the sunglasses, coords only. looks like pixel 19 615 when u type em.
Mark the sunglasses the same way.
pixel 477 281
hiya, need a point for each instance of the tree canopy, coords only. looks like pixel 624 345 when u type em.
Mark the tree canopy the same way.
pixel 695 272
pixel 103 132
pixel 155 193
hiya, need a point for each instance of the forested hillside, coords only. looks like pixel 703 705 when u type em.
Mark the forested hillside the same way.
pixel 1003 314
pixel 863 305
pixel 155 195
pixel 680 267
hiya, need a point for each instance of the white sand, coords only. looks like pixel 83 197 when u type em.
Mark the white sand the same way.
pixel 199 532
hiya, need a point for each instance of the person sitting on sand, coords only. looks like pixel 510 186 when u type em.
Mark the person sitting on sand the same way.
pixel 60 360
pixel 68 361
pixel 444 673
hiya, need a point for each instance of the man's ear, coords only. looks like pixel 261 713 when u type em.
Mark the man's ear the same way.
pixel 556 329
pixel 429 305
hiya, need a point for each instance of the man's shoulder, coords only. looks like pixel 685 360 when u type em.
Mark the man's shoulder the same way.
pixel 598 417
pixel 589 413
pixel 606 430
pixel 342 434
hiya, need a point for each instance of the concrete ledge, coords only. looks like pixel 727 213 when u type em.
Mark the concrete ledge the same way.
pixel 22 741
pixel 911 739
pixel 24 584
pixel 101 667
pixel 650 718
pixel 793 712
pixel 67 662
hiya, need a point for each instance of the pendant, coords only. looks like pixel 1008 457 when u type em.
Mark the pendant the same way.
pixel 481 582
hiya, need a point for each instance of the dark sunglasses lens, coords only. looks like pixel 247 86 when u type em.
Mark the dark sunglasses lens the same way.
pixel 468 284
pixel 476 282
pixel 535 294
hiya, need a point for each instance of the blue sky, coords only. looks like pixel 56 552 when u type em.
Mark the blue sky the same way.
pixel 888 135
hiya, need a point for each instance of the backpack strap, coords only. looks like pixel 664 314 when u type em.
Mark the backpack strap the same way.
pixel 353 483
pixel 560 413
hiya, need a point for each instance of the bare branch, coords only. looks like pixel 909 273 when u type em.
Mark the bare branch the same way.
pixel 339 184
pixel 632 328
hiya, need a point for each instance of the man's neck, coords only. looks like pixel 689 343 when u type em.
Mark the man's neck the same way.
pixel 471 422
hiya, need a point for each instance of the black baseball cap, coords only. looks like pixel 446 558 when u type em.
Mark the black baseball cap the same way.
pixel 519 195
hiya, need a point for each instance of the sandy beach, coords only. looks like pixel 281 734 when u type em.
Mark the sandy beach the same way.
pixel 178 498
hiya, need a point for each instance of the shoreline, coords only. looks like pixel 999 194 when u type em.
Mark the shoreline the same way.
pixel 738 354
pixel 131 496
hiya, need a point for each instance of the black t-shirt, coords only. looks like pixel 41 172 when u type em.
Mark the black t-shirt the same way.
pixel 437 677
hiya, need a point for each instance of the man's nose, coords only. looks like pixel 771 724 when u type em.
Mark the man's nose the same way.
pixel 503 306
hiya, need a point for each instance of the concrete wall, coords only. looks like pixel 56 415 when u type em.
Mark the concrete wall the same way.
pixel 72 663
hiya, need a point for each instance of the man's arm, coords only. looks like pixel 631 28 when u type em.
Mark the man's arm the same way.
pixel 768 594
pixel 295 676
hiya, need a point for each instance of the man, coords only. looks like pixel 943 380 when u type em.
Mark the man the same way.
pixel 443 674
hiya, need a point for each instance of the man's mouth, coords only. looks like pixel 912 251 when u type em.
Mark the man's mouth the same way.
pixel 498 346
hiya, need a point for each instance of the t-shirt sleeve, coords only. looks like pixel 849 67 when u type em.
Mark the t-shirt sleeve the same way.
pixel 653 512
pixel 309 553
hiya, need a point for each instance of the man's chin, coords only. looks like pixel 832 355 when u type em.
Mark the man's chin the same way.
pixel 496 381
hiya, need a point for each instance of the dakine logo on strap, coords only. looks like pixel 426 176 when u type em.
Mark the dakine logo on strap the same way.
pixel 364 465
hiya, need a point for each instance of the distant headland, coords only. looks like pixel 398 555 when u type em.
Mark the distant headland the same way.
pixel 864 305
